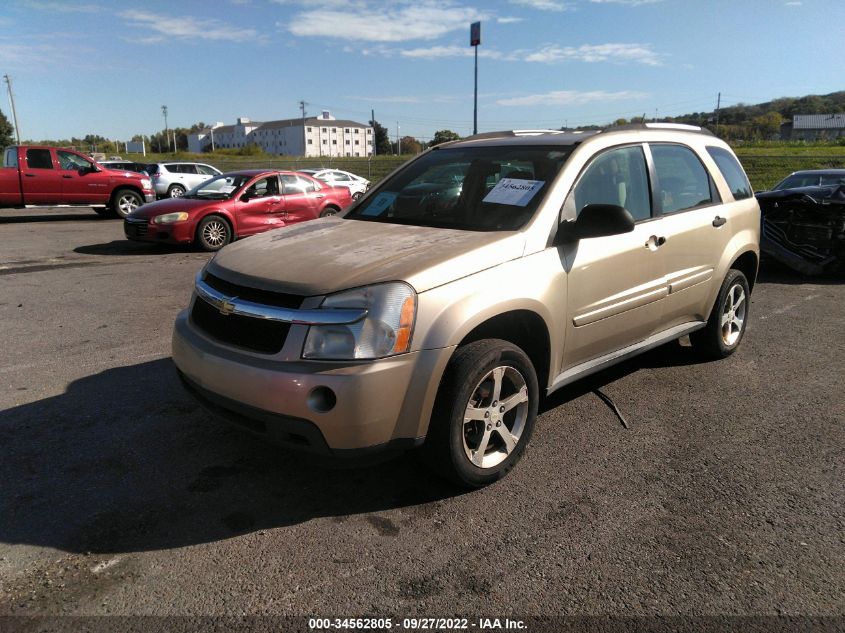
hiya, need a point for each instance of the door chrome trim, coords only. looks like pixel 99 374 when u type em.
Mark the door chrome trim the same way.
pixel 597 364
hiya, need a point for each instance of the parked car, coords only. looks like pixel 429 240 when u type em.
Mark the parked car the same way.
pixel 812 178
pixel 47 176
pixel 561 254
pixel 172 180
pixel 126 165
pixel 235 205
pixel 337 178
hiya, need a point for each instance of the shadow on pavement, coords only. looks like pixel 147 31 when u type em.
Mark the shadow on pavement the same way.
pixel 127 247
pixel 25 216
pixel 124 460
pixel 773 272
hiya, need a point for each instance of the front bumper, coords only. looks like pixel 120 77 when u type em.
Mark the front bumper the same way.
pixel 149 196
pixel 145 231
pixel 378 404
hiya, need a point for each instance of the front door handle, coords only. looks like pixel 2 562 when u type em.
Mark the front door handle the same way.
pixel 320 195
pixel 30 175
pixel 67 176
pixel 718 221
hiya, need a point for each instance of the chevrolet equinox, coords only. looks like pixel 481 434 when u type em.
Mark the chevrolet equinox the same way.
pixel 437 309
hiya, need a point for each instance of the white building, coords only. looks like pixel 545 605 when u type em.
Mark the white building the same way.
pixel 311 136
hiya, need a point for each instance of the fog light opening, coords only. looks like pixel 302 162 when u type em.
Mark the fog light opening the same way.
pixel 322 399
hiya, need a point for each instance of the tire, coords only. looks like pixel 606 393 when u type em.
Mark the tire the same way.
pixel 125 201
pixel 357 195
pixel 329 211
pixel 175 191
pixel 728 319
pixel 471 449
pixel 213 233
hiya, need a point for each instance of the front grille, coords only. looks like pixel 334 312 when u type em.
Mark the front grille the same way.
pixel 258 335
pixel 278 299
pixel 135 228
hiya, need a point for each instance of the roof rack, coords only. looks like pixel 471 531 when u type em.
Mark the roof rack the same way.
pixel 657 125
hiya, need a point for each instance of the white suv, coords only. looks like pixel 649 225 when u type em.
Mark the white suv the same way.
pixel 172 180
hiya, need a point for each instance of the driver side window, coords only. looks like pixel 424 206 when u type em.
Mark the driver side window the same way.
pixel 617 177
pixel 263 188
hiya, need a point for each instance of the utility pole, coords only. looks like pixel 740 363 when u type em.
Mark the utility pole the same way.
pixel 14 112
pixel 373 121
pixel 166 129
pixel 212 138
pixel 302 105
pixel 718 105
pixel 475 41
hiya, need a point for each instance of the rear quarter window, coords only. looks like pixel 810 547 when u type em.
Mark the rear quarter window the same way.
pixel 10 157
pixel 732 171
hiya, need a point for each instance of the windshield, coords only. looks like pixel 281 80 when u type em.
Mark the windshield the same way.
pixel 219 188
pixel 475 189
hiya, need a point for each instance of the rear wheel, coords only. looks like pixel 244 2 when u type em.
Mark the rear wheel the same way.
pixel 176 191
pixel 125 201
pixel 213 233
pixel 728 319
pixel 329 211
pixel 484 414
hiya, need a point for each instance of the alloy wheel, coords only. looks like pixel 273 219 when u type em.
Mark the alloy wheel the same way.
pixel 495 417
pixel 733 315
pixel 214 233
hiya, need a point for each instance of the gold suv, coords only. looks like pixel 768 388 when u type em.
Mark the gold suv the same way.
pixel 437 309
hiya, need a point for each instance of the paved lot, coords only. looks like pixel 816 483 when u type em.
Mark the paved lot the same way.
pixel 119 496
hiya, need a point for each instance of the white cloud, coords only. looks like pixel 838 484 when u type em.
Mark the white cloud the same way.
pixel 438 52
pixel 366 21
pixel 571 97
pixel 630 3
pixel 545 5
pixel 62 7
pixel 509 20
pixel 638 53
pixel 184 27
pixel 794 3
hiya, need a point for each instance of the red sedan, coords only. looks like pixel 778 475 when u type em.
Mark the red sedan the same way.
pixel 233 205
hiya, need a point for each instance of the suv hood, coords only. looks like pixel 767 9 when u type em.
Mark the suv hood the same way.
pixel 331 254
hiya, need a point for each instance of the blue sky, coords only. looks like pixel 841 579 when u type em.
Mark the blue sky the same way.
pixel 107 67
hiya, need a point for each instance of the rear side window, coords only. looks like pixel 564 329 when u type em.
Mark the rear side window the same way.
pixel 833 180
pixel 616 177
pixel 682 181
pixel 732 171
pixel 188 169
pixel 39 159
pixel 10 157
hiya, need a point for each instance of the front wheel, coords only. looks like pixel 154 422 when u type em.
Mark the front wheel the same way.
pixel 484 413
pixel 213 233
pixel 728 319
pixel 125 201
pixel 357 195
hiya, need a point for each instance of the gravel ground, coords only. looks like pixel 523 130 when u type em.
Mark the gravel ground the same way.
pixel 119 496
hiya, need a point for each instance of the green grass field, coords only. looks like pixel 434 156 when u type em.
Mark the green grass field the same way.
pixel 765 163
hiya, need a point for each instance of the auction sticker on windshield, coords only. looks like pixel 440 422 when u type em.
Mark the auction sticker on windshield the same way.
pixel 379 203
pixel 513 191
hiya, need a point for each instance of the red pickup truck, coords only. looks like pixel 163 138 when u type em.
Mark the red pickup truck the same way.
pixel 34 175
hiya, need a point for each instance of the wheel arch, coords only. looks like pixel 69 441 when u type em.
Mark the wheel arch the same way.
pixel 747 263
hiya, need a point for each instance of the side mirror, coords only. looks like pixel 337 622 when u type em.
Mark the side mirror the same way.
pixel 244 198
pixel 90 169
pixel 597 220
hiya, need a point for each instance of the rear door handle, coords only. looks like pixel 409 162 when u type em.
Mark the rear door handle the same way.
pixel 30 175
pixel 718 221
pixel 67 176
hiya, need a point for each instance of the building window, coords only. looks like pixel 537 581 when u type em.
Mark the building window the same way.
pixel 308 129
pixel 334 141
pixel 357 142
pixel 346 130
pixel 325 142
pixel 347 142
pixel 310 142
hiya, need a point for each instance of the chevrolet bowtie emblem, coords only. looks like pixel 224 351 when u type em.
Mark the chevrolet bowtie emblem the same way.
pixel 226 307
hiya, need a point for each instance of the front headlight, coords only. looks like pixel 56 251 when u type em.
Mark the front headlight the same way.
pixel 170 218
pixel 146 183
pixel 385 331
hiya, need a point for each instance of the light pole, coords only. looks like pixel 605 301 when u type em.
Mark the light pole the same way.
pixel 166 129
pixel 398 141
pixel 14 112
pixel 475 41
